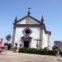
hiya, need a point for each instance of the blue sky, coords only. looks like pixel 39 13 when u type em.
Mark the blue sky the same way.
pixel 50 9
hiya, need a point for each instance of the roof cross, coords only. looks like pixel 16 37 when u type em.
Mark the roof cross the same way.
pixel 29 11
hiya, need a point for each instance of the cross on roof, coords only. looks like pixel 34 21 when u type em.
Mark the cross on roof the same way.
pixel 29 8
pixel 29 11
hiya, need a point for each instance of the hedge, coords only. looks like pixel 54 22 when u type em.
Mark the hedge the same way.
pixel 37 51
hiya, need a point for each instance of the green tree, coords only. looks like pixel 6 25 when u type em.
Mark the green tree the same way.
pixel 8 37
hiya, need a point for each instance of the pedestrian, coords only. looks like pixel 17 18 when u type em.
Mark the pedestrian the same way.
pixel 15 47
pixel 60 52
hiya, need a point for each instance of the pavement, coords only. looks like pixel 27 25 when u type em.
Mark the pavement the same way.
pixel 23 57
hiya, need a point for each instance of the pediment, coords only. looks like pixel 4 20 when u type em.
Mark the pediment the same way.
pixel 28 20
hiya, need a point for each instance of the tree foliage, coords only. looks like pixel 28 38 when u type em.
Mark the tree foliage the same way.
pixel 8 37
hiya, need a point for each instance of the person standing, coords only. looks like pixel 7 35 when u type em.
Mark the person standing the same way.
pixel 60 52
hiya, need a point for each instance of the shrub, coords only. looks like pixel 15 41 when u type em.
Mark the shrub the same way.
pixel 37 51
pixel 23 50
pixel 51 52
pixel 46 48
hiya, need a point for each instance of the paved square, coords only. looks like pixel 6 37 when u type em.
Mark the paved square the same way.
pixel 22 57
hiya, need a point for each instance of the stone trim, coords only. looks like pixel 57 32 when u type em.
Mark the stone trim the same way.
pixel 48 44
pixel 48 32
pixel 26 17
pixel 13 38
pixel 41 38
pixel 26 39
pixel 28 25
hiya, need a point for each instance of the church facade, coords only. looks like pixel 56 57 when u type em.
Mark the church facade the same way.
pixel 30 32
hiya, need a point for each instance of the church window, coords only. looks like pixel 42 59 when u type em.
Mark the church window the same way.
pixel 27 31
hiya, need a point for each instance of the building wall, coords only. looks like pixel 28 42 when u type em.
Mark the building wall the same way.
pixel 38 32
pixel 41 38
pixel 48 41
pixel 45 40
pixel 35 34
pixel 58 43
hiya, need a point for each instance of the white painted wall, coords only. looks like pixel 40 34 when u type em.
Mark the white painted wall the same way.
pixel 48 40
pixel 45 40
pixel 35 34
pixel 18 35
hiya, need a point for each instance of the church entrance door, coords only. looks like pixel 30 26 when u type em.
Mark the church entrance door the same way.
pixel 26 44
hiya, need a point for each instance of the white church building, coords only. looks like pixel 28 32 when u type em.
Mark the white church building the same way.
pixel 30 32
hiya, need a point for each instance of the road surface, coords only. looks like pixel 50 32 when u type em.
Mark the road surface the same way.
pixel 22 57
